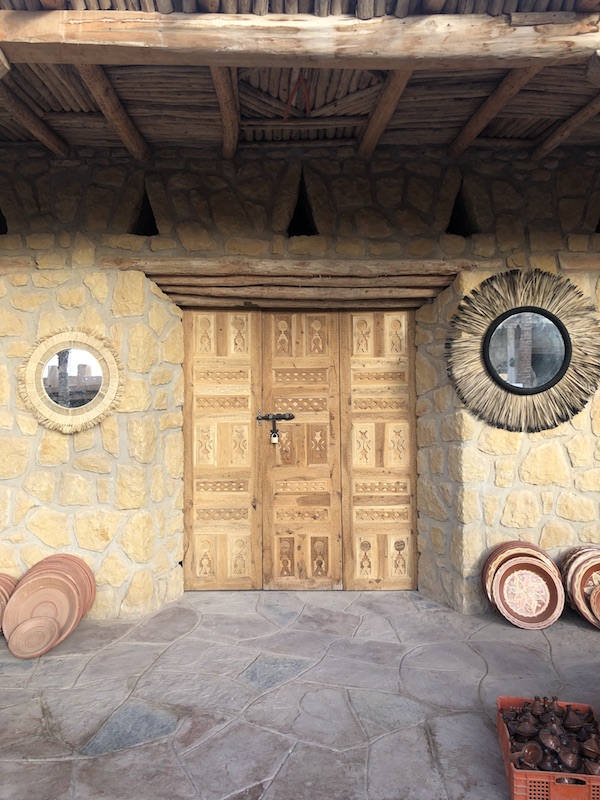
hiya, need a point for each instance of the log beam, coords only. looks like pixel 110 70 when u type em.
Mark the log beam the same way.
pixel 394 86
pixel 492 105
pixel 566 128
pixel 230 114
pixel 457 42
pixel 109 104
pixel 198 301
pixel 25 117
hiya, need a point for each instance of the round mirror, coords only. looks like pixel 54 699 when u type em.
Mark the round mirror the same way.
pixel 72 377
pixel 71 380
pixel 526 350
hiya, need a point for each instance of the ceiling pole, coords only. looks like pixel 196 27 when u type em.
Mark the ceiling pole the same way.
pixel 25 117
pixel 394 86
pixel 565 129
pixel 230 116
pixel 511 85
pixel 109 104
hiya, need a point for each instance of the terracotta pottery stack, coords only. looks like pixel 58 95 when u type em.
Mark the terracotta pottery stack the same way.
pixel 47 605
pixel 581 577
pixel 7 587
pixel 524 584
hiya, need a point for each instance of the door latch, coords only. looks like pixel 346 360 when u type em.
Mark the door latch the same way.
pixel 273 419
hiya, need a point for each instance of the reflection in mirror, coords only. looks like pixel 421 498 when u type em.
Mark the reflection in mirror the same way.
pixel 527 351
pixel 72 377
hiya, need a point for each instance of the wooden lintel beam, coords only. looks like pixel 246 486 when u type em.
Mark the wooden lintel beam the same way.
pixel 230 115
pixel 439 41
pixel 566 128
pixel 109 104
pixel 394 86
pixel 511 85
pixel 25 117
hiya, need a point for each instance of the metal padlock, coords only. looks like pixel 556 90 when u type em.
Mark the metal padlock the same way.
pixel 274 437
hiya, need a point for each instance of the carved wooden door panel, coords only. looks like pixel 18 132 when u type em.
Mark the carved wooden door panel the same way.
pixel 378 478
pixel 301 474
pixel 222 468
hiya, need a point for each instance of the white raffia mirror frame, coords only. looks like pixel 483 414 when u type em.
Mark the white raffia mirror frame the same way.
pixel 37 400
pixel 477 389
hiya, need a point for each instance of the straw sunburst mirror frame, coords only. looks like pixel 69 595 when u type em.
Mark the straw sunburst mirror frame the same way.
pixel 496 401
pixel 59 417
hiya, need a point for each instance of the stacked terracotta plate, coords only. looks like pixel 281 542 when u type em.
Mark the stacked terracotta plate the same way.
pixel 7 587
pixel 47 605
pixel 524 584
pixel 581 577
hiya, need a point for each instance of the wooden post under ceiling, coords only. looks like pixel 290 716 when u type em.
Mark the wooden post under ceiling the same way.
pixel 230 115
pixel 394 86
pixel 565 129
pixel 109 104
pixel 492 105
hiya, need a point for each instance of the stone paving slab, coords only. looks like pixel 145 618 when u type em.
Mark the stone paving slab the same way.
pixel 281 696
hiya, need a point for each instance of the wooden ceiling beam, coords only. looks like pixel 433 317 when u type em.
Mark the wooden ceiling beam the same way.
pixel 26 118
pixel 566 128
pixel 230 113
pixel 511 85
pixel 109 104
pixel 394 86
pixel 453 41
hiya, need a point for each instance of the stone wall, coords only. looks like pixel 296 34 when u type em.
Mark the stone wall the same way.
pixel 70 223
pixel 113 493
pixel 479 486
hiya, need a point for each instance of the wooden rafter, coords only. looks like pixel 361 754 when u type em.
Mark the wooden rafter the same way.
pixel 511 85
pixel 230 115
pixel 4 65
pixel 387 102
pixel 25 117
pixel 109 104
pixel 566 128
pixel 457 42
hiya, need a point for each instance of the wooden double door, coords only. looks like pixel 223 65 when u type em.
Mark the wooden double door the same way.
pixel 330 503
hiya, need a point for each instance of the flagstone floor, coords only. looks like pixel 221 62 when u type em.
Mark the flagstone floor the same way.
pixel 281 696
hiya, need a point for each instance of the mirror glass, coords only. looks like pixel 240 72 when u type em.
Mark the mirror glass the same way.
pixel 527 351
pixel 72 377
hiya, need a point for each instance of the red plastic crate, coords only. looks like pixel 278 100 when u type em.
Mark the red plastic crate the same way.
pixel 527 784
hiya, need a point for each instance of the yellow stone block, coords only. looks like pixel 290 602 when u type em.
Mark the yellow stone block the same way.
pixel 429 501
pixel 588 481
pixel 33 554
pixel 12 324
pixel 27 425
pixel 437 460
pixel 75 490
pixel 173 454
pixel 129 296
pixel 91 320
pixel 8 560
pixel 557 534
pixel 50 322
pixel 106 604
pixel 158 317
pixel 138 537
pixel 131 490
pixel 18 349
pixel 174 588
pixel 136 395
pixel 571 505
pixel 84 440
pixel 459 427
pixel 41 484
pixel 426 374
pixel 15 456
pixel 438 540
pixel 522 510
pixel 71 298
pixel 51 260
pixel 139 599
pixel 143 349
pixel 142 437
pixel 465 465
pixel 28 301
pixel 96 530
pixel 113 571
pixel 5 497
pixel 468 508
pixel 94 462
pixel 50 527
pixel 53 449
pixel 172 344
pixel 7 421
pixel 22 505
pixel 157 485
pixel 18 279
pixel 172 420
pixel 160 376
pixel 546 466
pixel 498 442
pixel 178 389
pixel 580 450
pixel 426 432
pixel 40 241
pixel 84 252
pixel 5 386
pixel 97 283
pixel 491 503
pixel 161 401
pixel 48 280
pixel 109 430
